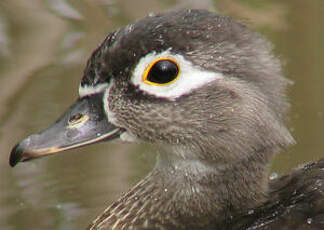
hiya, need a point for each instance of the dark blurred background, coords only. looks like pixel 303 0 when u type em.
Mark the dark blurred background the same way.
pixel 44 45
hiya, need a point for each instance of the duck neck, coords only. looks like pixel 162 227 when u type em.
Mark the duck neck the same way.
pixel 191 191
pixel 222 188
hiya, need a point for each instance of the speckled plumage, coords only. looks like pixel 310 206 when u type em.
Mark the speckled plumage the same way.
pixel 233 127
pixel 295 201
pixel 215 142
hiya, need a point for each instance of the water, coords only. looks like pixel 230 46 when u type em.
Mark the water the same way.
pixel 44 46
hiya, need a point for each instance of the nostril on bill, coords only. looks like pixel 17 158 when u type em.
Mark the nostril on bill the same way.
pixel 77 119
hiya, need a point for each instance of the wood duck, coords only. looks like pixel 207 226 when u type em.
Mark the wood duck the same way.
pixel 210 95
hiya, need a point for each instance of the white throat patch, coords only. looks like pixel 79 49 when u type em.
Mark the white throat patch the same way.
pixel 190 77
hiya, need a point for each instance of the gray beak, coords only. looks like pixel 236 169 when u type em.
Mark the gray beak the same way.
pixel 84 123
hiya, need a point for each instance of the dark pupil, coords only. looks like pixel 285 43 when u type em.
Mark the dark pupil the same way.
pixel 163 72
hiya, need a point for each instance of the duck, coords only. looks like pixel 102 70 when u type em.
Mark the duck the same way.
pixel 210 94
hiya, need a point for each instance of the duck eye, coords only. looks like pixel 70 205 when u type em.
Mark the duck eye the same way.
pixel 161 72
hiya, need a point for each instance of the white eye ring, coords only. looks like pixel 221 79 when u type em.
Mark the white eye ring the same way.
pixel 189 78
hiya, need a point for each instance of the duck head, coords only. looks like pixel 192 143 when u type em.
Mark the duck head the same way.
pixel 202 86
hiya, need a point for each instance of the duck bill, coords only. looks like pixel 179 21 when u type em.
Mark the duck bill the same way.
pixel 84 123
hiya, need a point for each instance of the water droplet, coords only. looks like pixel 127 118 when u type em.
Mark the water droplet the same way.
pixel 165 190
pixel 98 134
pixel 309 220
pixel 151 14
pixel 273 176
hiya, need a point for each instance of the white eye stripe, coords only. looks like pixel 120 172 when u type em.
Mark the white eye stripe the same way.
pixel 190 77
pixel 89 90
